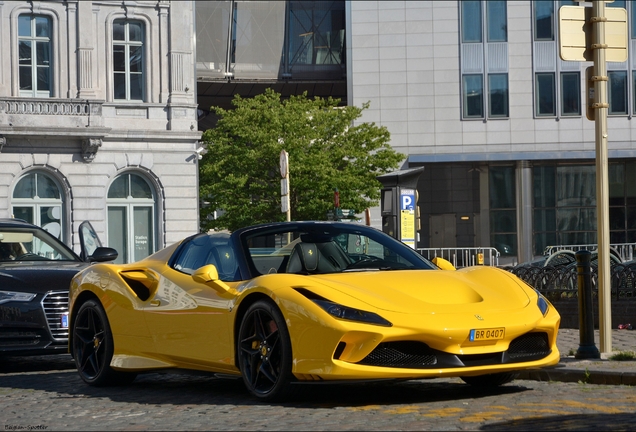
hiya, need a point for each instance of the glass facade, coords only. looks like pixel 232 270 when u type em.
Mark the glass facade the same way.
pixel 503 213
pixel 273 39
pixel 565 204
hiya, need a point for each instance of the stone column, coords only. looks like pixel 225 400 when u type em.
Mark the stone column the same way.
pixel 85 50
pixel 524 211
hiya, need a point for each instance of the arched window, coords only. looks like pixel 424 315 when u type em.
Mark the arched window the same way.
pixel 34 50
pixel 37 199
pixel 131 217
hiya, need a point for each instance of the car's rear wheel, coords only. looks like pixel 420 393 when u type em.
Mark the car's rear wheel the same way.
pixel 265 357
pixel 93 347
pixel 490 380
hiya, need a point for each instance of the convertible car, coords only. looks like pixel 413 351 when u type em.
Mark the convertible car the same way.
pixel 35 273
pixel 306 302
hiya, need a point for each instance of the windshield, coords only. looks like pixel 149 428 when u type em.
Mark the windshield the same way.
pixel 326 249
pixel 31 245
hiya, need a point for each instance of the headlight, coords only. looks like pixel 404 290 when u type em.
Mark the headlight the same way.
pixel 542 303
pixel 351 314
pixel 9 296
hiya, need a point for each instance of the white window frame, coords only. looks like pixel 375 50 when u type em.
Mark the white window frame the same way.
pixel 35 41
pixel 37 204
pixel 127 43
pixel 130 204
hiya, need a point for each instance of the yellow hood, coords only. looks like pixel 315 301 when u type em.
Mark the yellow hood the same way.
pixel 431 291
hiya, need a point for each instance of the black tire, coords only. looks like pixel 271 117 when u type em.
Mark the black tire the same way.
pixel 490 380
pixel 264 352
pixel 93 347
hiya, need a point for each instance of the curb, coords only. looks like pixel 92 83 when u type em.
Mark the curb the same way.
pixel 578 375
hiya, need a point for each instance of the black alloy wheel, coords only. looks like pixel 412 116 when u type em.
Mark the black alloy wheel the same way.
pixel 93 347
pixel 265 352
pixel 490 380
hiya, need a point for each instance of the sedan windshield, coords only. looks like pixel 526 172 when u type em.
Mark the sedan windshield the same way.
pixel 31 245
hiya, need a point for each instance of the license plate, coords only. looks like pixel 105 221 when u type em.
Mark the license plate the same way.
pixel 64 320
pixel 486 334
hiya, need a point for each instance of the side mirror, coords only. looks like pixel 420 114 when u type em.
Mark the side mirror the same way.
pixel 102 254
pixel 443 264
pixel 209 275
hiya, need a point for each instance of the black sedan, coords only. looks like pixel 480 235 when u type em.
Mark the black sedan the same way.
pixel 35 274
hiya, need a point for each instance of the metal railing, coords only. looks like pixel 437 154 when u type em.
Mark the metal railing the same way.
pixel 560 282
pixel 625 251
pixel 463 256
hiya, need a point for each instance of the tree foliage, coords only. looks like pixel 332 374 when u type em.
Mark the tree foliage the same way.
pixel 240 173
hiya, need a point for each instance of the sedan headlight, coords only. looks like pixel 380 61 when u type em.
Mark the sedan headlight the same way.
pixel 350 314
pixel 542 303
pixel 9 296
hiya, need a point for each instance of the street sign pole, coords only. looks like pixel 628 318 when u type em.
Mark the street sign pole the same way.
pixel 284 184
pixel 602 184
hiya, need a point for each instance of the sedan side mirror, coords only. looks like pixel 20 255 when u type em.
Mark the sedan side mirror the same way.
pixel 103 254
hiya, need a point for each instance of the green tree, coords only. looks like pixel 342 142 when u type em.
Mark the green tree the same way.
pixel 240 173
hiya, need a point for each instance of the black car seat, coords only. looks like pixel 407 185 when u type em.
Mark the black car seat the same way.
pixel 306 258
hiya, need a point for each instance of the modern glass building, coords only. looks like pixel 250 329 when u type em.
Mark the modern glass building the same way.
pixel 474 91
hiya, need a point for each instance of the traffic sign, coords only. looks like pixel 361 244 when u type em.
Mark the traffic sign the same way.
pixel 575 34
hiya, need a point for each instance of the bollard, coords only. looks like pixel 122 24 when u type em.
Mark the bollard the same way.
pixel 587 348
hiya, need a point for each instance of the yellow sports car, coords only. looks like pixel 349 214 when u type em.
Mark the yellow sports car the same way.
pixel 305 302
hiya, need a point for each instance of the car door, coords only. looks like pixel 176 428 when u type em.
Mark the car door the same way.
pixel 190 321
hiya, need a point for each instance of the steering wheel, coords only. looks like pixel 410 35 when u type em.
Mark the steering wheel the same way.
pixel 29 256
pixel 365 262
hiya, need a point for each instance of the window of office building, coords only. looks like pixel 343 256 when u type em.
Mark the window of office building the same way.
pixel 128 60
pixel 503 212
pixel 618 86
pixel 316 32
pixel 34 50
pixel 131 217
pixel 617 92
pixel 37 199
pixel 545 97
pixel 571 93
pixel 557 83
pixel 484 62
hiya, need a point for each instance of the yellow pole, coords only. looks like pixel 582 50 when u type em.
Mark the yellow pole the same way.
pixel 602 183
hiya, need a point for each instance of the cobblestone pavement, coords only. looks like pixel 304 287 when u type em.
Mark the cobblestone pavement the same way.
pixel 59 400
pixel 46 393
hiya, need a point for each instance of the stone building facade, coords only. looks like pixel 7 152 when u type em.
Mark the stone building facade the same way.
pixel 98 120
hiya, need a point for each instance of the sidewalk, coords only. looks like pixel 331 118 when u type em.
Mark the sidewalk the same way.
pixel 594 371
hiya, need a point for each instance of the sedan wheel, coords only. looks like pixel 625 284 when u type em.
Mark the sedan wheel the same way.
pixel 265 352
pixel 93 347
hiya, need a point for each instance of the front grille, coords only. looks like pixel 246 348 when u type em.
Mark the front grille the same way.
pixel 19 338
pixel 528 347
pixel 55 304
pixel 418 355
pixel 401 355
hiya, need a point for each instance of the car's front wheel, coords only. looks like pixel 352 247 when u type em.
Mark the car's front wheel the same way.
pixel 490 380
pixel 264 355
pixel 93 347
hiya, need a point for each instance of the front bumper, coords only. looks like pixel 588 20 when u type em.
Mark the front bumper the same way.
pixel 35 327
